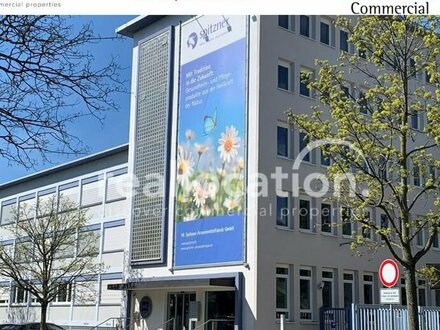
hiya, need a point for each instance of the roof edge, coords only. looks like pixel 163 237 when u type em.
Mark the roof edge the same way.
pixel 67 165
pixel 130 28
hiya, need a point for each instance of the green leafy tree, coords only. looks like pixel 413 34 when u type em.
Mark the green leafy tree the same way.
pixel 51 252
pixel 396 61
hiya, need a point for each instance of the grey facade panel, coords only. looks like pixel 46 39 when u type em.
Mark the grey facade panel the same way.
pixel 148 213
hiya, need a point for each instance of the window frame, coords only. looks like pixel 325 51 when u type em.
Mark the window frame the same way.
pixel 287 142
pixel 303 86
pixel 353 287
pixel 341 32
pixel 282 310
pixel 369 283
pixel 330 280
pixel 287 216
pixel 309 215
pixel 330 215
pixel 347 215
pixel 308 278
pixel 308 27
pixel 289 67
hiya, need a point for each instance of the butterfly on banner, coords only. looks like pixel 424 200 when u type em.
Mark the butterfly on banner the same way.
pixel 210 123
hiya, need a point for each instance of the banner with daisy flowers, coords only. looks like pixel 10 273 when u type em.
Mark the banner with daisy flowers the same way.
pixel 210 175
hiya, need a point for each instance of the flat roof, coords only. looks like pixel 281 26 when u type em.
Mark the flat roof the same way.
pixel 130 28
pixel 65 166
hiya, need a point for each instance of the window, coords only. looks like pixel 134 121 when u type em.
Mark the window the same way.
pixel 348 289
pixel 305 293
pixel 437 297
pixel 343 40
pixel 285 75
pixel 304 215
pixel 68 197
pixel 346 90
pixel 64 293
pixel 416 176
pixel 427 77
pixel 304 79
pixel 117 187
pixel 9 209
pixel 421 293
pixel 346 221
pixel 88 243
pixel 368 289
pixel 384 223
pixel 363 103
pixel 304 26
pixel 19 295
pixel 325 32
pixel 327 289
pixel 435 244
pixel 286 22
pixel 415 121
pixel 282 141
pixel 366 230
pixel 91 192
pixel 383 170
pixel 325 160
pixel 4 294
pixel 303 142
pixel 326 218
pixel 46 202
pixel 282 211
pixel 26 207
pixel 282 293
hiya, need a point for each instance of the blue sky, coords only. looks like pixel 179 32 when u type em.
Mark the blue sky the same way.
pixel 114 129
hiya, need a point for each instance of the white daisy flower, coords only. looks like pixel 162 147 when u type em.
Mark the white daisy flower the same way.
pixel 229 144
pixel 185 165
pixel 231 203
pixel 200 193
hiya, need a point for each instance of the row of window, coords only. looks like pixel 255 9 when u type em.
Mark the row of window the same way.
pixel 79 293
pixel 307 279
pixel 325 216
pixel 87 193
pixel 327 36
pixel 285 148
pixel 307 26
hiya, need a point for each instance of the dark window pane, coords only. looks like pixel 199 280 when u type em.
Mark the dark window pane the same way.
pixel 325 160
pixel 282 211
pixel 326 218
pixel 346 221
pixel 362 53
pixel 304 25
pixel 281 292
pixel 303 84
pixel 368 294
pixel 304 214
pixel 415 121
pixel 422 297
pixel 282 141
pixel 325 33
pixel 283 77
pixel 343 40
pixel 437 298
pixel 348 294
pixel 327 294
pixel 304 293
pixel 283 21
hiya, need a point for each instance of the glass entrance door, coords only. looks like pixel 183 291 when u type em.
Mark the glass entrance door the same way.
pixel 178 308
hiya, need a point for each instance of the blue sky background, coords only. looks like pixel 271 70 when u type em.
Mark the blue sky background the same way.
pixel 114 129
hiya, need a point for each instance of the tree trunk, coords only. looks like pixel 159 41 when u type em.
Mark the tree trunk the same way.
pixel 43 315
pixel 411 298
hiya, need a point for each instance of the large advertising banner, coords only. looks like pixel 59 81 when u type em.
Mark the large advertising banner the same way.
pixel 210 199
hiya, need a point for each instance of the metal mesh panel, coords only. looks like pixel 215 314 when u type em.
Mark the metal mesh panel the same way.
pixel 150 147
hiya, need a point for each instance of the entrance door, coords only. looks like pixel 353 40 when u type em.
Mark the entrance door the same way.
pixel 220 310
pixel 178 308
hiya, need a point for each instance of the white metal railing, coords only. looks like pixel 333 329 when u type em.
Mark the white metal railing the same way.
pixel 212 324
pixel 429 318
pixel 162 324
pixel 386 317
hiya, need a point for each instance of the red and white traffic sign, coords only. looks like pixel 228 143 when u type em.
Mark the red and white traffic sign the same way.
pixel 389 273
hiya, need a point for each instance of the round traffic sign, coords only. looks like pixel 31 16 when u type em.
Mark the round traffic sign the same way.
pixel 389 273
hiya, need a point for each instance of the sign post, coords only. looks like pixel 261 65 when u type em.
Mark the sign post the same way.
pixel 389 275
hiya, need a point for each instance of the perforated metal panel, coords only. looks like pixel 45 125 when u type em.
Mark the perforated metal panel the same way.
pixel 150 147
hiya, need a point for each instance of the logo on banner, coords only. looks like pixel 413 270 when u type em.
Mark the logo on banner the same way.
pixel 192 40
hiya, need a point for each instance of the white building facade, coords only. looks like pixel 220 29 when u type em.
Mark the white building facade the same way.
pixel 181 273
pixel 99 184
